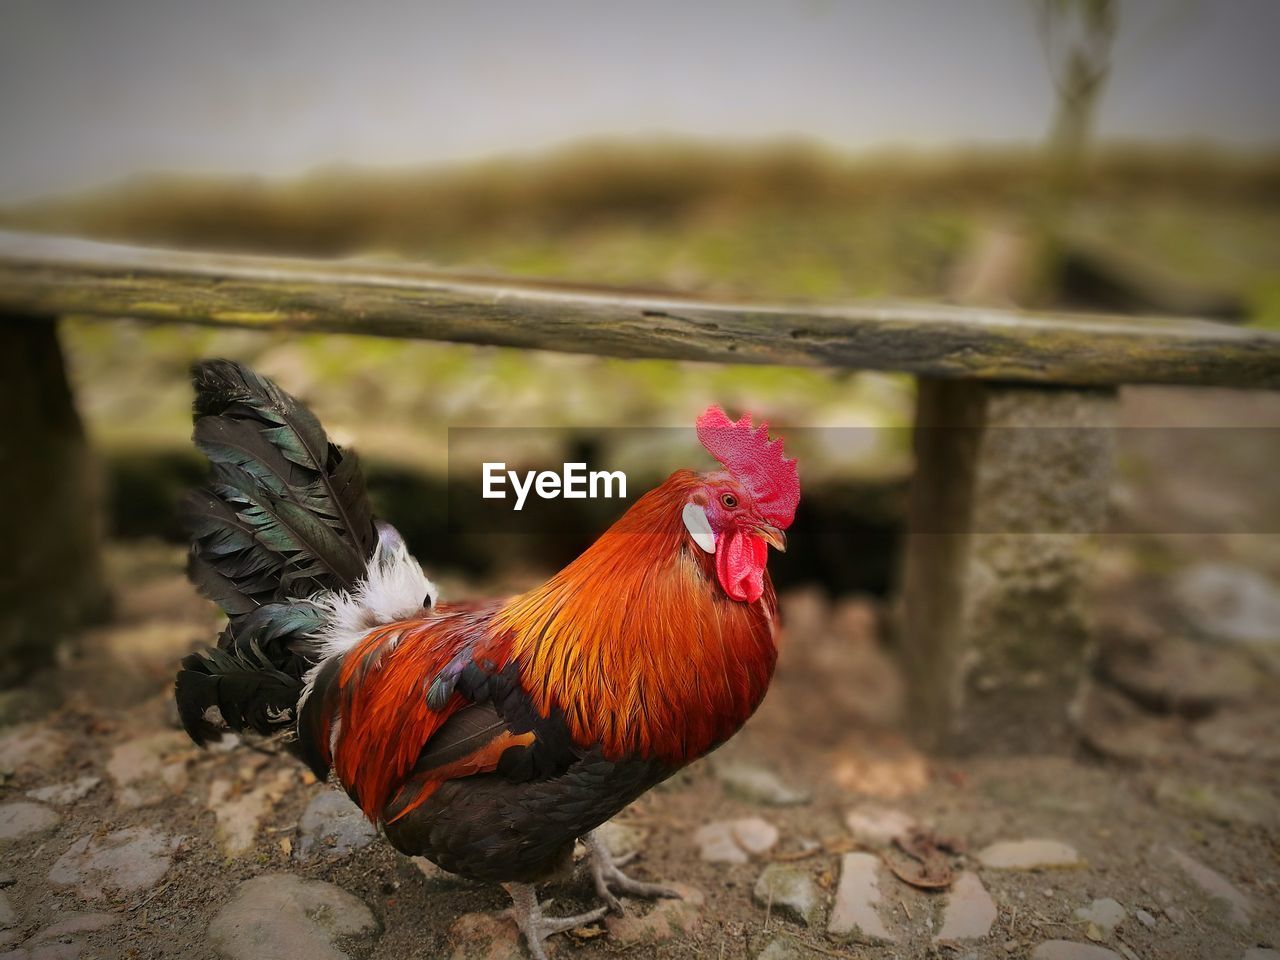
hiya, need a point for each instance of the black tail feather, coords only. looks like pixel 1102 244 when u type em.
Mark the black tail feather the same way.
pixel 284 517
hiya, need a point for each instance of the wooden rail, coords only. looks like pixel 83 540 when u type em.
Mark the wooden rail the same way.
pixel 991 622
pixel 51 276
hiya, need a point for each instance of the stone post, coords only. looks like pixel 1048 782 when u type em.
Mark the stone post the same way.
pixel 51 578
pixel 1011 483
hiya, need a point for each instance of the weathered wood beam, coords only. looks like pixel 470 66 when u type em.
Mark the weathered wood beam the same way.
pixel 52 275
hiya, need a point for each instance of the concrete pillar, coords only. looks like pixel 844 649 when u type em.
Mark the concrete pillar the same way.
pixel 1011 484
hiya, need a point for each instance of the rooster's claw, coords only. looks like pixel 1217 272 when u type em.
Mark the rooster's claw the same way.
pixel 610 881
pixel 535 927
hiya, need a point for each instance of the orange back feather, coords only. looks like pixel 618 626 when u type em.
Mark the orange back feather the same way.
pixel 634 643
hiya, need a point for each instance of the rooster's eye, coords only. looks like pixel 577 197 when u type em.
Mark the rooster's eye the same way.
pixel 729 500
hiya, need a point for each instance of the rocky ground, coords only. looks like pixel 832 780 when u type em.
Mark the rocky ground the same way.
pixel 817 833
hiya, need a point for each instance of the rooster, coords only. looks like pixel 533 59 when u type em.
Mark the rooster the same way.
pixel 485 735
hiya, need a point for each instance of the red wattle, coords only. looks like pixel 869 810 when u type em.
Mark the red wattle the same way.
pixel 740 559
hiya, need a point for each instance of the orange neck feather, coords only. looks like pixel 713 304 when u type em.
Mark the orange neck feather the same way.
pixel 636 643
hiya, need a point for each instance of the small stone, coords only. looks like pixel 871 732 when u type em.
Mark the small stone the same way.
pixel 758 785
pixel 1106 913
pixel 970 912
pixel 854 912
pixel 716 843
pixel 781 949
pixel 149 769
pixel 1237 804
pixel 1070 950
pixel 239 814
pixel 1178 675
pixel 64 793
pixel 733 841
pixel 1230 602
pixel 621 839
pixel 878 826
pixel 31 747
pixel 332 827
pixel 48 951
pixel 1029 855
pixel 754 834
pixel 791 892
pixel 280 915
pixel 1261 953
pixel 1111 723
pixel 124 861
pixel 8 916
pixel 23 819
pixel 1146 919
pixel 1215 885
pixel 665 920
pixel 77 923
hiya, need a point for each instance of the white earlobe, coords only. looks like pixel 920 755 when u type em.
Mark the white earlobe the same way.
pixel 695 521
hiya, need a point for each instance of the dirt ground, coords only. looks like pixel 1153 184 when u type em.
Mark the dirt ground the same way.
pixel 1148 802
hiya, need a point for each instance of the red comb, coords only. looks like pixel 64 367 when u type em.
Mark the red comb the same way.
pixel 755 461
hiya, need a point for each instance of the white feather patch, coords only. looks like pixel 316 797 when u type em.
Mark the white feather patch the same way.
pixel 699 527
pixel 394 588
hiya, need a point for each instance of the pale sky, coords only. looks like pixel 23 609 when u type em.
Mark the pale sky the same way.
pixel 95 90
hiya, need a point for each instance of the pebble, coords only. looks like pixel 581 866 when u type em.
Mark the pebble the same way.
pixel 791 891
pixel 716 844
pixel 77 923
pixel 758 785
pixel 783 948
pixel 123 862
pixel 733 841
pixel 332 827
pixel 1179 675
pixel 1146 919
pixel 853 915
pixel 64 793
pixel 145 771
pixel 22 819
pixel 48 951
pixel 1070 950
pixel 1230 602
pixel 1215 885
pixel 1261 953
pixel 31 747
pixel 665 920
pixel 240 814
pixel 878 826
pixel 280 915
pixel 970 912
pixel 1029 855
pixel 8 916
pixel 1106 913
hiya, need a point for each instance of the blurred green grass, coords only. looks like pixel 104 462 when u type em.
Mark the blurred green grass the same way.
pixel 782 221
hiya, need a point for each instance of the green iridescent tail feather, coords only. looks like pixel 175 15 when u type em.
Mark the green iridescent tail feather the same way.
pixel 284 517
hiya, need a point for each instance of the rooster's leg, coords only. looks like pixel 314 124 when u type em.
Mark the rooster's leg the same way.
pixel 536 927
pixel 610 881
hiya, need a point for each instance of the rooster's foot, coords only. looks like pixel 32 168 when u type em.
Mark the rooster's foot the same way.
pixel 610 881
pixel 534 926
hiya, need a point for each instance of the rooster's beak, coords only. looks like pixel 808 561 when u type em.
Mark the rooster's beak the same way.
pixel 772 536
